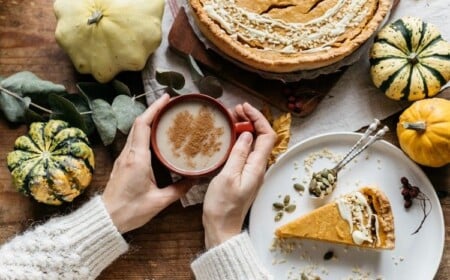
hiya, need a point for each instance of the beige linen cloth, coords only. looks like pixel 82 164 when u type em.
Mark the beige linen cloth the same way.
pixel 351 104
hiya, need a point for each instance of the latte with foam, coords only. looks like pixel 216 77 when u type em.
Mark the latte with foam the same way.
pixel 193 136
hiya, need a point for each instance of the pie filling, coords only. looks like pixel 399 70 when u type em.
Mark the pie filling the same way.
pixel 266 33
pixel 361 217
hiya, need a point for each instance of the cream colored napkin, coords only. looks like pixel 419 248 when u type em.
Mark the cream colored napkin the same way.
pixel 353 102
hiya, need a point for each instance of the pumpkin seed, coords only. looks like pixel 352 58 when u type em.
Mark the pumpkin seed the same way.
pixel 299 187
pixel 309 276
pixel 286 200
pixel 328 255
pixel 331 178
pixel 290 208
pixel 278 216
pixel 324 173
pixel 325 182
pixel 278 206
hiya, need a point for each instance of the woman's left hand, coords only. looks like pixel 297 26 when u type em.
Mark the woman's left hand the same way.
pixel 131 196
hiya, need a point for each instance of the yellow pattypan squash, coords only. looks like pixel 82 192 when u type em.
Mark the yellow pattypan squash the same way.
pixel 423 132
pixel 105 37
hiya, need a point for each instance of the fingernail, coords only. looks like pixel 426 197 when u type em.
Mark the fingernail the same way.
pixel 246 137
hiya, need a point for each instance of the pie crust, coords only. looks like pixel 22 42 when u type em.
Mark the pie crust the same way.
pixel 284 36
pixel 328 222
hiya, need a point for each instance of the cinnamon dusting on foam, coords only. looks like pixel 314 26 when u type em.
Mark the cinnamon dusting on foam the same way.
pixel 194 134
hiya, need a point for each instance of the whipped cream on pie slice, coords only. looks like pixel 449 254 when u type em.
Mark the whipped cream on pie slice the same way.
pixel 363 222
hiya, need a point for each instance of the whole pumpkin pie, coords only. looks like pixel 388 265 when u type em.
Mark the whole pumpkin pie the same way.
pixel 361 218
pixel 283 36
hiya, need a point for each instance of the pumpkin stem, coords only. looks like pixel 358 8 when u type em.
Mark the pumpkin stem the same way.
pixel 412 58
pixel 418 126
pixel 95 17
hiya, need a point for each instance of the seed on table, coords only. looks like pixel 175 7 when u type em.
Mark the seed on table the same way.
pixel 278 206
pixel 278 216
pixel 286 200
pixel 290 208
pixel 328 255
pixel 299 187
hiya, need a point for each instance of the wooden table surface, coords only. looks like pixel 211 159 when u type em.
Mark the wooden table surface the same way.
pixel 165 246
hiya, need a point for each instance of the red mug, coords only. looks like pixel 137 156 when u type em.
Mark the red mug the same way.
pixel 193 135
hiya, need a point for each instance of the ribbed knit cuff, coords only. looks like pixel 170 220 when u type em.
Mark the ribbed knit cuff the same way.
pixel 93 236
pixel 234 259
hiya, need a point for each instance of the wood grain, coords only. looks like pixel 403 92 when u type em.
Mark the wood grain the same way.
pixel 164 248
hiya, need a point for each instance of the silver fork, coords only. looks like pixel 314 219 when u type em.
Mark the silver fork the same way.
pixel 324 182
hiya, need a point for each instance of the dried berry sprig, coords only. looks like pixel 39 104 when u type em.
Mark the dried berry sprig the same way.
pixel 410 193
pixel 302 102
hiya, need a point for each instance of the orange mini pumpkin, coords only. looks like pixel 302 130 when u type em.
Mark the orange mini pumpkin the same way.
pixel 423 131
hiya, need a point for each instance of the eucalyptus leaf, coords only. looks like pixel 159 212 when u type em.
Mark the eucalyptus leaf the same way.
pixel 196 72
pixel 171 79
pixel 63 109
pixel 26 83
pixel 94 90
pixel 31 116
pixel 120 88
pixel 79 101
pixel 126 110
pixel 1 78
pixel 104 120
pixel 211 86
pixel 84 96
pixel 14 109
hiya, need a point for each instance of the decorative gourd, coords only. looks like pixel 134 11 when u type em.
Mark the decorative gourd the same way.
pixel 410 60
pixel 105 37
pixel 423 131
pixel 53 162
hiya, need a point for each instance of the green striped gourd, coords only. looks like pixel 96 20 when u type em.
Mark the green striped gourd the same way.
pixel 53 162
pixel 410 60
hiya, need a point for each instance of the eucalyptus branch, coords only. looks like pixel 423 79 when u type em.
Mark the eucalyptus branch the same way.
pixel 148 92
pixel 103 116
pixel 15 95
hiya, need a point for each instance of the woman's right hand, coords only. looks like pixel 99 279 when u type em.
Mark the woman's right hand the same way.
pixel 231 193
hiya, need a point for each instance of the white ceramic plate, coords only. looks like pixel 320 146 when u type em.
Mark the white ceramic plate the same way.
pixel 414 257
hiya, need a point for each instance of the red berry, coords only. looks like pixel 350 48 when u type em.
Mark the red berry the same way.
pixel 404 181
pixel 405 192
pixel 291 106
pixel 414 191
pixel 407 203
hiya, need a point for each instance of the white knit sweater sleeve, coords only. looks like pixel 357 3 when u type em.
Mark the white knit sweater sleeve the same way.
pixel 77 246
pixel 234 259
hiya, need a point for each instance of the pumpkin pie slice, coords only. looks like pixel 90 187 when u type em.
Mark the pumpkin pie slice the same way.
pixel 361 218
